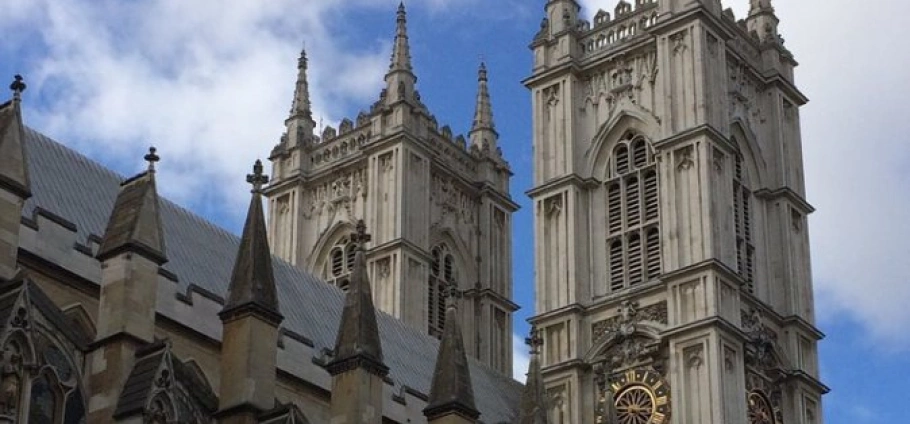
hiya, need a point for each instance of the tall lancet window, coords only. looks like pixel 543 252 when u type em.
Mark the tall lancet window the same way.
pixel 442 274
pixel 633 215
pixel 742 223
pixel 341 262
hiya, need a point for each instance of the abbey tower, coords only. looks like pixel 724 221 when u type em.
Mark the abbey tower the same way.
pixel 673 278
pixel 437 205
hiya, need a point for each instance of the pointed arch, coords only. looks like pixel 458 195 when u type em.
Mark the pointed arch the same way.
pixel 610 339
pixel 81 319
pixel 601 149
pixel 747 146
pixel 459 250
pixel 321 253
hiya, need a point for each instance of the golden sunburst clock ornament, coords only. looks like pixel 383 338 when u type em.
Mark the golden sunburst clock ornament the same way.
pixel 760 409
pixel 641 397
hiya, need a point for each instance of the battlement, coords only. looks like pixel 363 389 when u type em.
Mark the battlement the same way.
pixel 626 23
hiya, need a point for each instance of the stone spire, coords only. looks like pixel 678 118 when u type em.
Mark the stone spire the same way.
pixel 250 320
pixel 14 180
pixel 301 107
pixel 451 392
pixel 135 221
pixel 400 80
pixel 13 169
pixel 483 130
pixel 252 283
pixel 533 409
pixel 763 23
pixel 358 344
pixel 401 51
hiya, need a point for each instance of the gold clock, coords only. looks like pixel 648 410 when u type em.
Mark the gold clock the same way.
pixel 760 409
pixel 641 397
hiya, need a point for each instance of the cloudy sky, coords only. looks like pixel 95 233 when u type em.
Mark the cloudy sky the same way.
pixel 209 82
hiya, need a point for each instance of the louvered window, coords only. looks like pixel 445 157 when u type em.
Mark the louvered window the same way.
pixel 633 215
pixel 341 263
pixel 442 275
pixel 742 226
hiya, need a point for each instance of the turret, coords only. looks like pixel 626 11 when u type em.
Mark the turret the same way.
pixel 762 22
pixel 14 180
pixel 400 79
pixel 250 319
pixel 533 406
pixel 357 367
pixel 131 254
pixel 451 393
pixel 483 131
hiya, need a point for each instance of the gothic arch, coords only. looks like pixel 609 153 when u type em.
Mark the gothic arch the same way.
pixel 459 249
pixel 598 154
pixel 609 339
pixel 81 319
pixel 747 145
pixel 320 253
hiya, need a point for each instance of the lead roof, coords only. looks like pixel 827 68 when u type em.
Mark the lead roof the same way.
pixel 81 191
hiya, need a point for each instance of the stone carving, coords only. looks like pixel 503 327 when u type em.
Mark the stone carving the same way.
pixel 384 266
pixel 759 350
pixel 678 41
pixel 621 78
pixel 684 160
pixel 745 93
pixel 10 380
pixel 451 201
pixel 693 357
pixel 630 314
pixel 337 194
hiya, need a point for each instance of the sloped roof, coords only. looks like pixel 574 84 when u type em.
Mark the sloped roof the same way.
pixel 83 192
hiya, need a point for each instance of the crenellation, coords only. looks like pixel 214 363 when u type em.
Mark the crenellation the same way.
pixel 626 24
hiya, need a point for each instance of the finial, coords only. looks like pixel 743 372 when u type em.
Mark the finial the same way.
pixel 17 86
pixel 534 341
pixel 401 10
pixel 302 61
pixel 257 178
pixel 482 72
pixel 360 236
pixel 151 158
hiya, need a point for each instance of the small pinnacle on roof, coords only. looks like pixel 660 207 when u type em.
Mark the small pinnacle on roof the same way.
pixel 257 179
pixel 401 51
pixel 18 86
pixel 151 158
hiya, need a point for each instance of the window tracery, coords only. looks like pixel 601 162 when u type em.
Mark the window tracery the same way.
pixel 341 263
pixel 442 275
pixel 633 227
pixel 742 223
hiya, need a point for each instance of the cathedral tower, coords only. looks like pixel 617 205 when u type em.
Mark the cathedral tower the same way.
pixel 438 206
pixel 672 258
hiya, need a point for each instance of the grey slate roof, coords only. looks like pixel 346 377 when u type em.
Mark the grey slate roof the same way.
pixel 81 191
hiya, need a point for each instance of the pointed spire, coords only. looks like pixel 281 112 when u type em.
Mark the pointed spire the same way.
pixel 13 168
pixel 301 106
pixel 252 281
pixel 483 112
pixel 401 51
pixel 451 391
pixel 135 221
pixel 358 344
pixel 533 409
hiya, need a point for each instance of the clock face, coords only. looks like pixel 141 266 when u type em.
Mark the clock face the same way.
pixel 641 398
pixel 760 409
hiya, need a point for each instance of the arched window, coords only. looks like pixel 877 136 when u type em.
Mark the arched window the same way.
pixel 341 262
pixel 633 215
pixel 742 224
pixel 442 275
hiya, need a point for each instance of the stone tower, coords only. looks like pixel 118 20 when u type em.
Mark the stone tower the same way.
pixel 438 206
pixel 672 256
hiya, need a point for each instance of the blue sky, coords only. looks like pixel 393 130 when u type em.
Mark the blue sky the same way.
pixel 209 83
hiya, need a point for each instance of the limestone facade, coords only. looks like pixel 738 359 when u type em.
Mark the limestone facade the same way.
pixel 672 255
pixel 437 204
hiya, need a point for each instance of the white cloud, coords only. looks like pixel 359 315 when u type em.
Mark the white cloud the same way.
pixel 520 358
pixel 207 82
